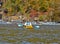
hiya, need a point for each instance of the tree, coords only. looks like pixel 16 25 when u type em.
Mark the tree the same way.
pixel 25 6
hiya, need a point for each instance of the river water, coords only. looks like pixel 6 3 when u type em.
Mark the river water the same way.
pixel 11 34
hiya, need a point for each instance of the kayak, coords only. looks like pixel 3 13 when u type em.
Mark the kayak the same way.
pixel 28 25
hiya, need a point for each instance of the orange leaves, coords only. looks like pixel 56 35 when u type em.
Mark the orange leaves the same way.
pixel 33 12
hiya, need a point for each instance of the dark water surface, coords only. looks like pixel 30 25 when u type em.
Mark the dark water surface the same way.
pixel 11 34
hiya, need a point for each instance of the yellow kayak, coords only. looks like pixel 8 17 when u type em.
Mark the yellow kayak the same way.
pixel 29 27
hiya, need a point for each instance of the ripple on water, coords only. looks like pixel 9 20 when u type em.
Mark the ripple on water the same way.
pixel 54 43
pixel 5 43
pixel 25 42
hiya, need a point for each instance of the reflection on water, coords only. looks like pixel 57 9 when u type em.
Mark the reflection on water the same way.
pixel 25 42
pixel 5 43
pixel 17 36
